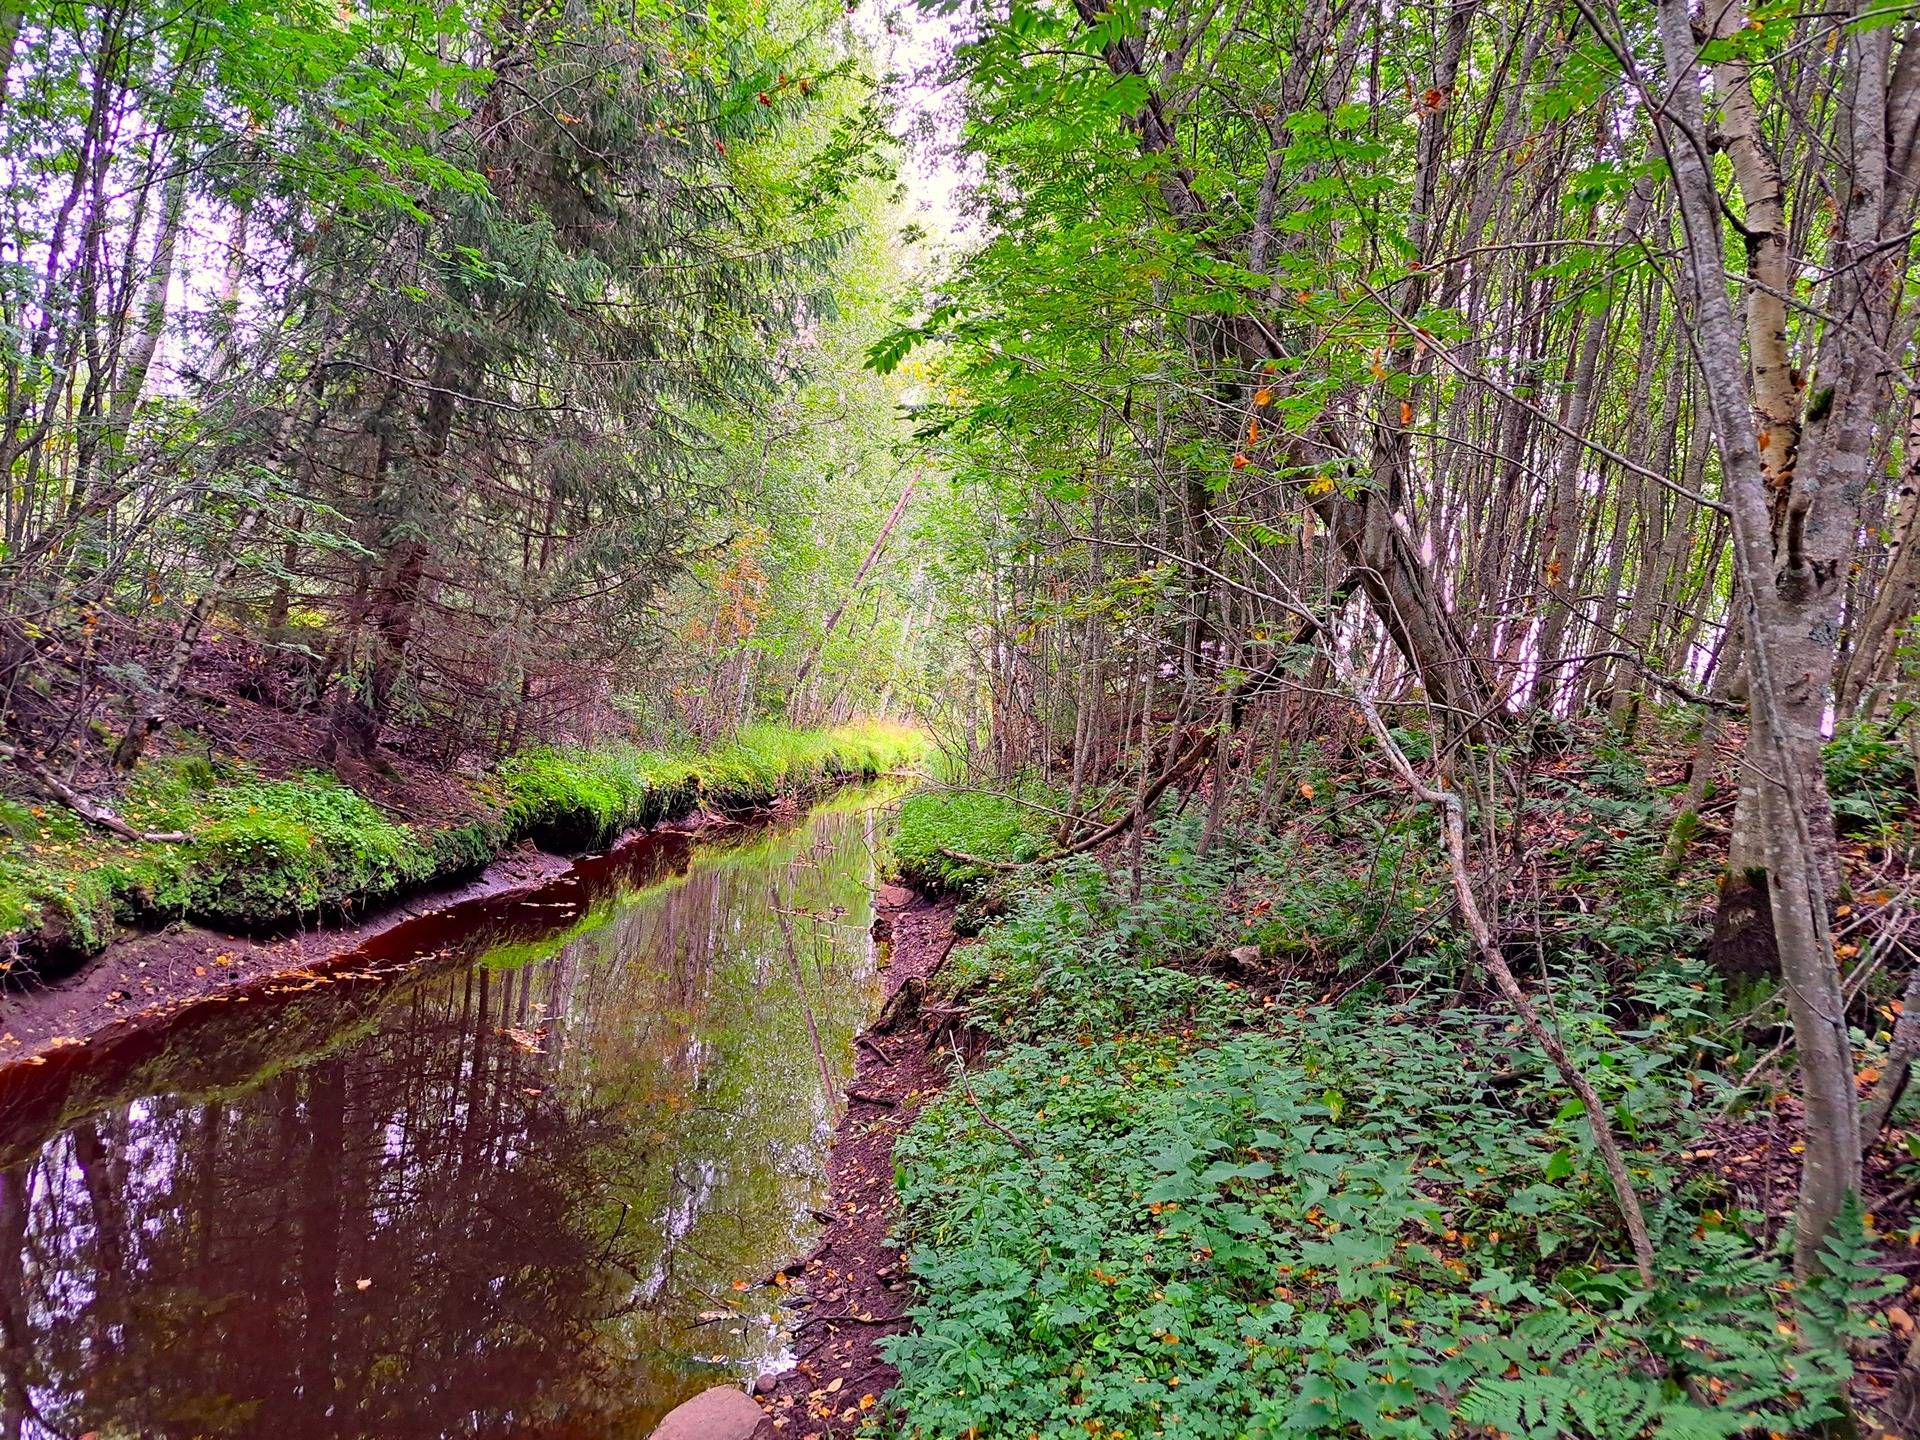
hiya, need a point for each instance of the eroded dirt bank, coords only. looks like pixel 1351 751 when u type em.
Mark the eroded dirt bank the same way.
pixel 854 1285
pixel 145 980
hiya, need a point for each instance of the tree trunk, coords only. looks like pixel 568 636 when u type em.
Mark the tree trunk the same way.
pixel 1796 894
pixel 796 706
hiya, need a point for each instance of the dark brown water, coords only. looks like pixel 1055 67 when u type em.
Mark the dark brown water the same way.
pixel 512 1188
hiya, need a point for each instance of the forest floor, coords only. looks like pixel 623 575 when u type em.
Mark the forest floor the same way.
pixel 854 1283
pixel 1252 1149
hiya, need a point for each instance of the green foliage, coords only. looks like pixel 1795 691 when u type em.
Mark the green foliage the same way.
pixel 265 853
pixel 582 797
pixel 1606 857
pixel 1870 768
pixel 964 822
pixel 692 186
pixel 1074 957
pixel 1381 1217
pixel 585 796
pixel 1281 1235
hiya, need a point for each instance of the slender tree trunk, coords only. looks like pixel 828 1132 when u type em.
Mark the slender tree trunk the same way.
pixel 152 713
pixel 796 708
pixel 1797 894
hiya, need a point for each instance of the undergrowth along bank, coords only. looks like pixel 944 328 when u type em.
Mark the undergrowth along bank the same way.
pixel 266 852
pixel 1362 1203
pixel 937 828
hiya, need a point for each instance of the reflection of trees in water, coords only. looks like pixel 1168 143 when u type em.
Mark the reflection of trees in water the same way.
pixel 541 1228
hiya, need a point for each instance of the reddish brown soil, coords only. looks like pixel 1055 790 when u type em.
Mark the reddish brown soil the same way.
pixel 854 1284
pixel 141 980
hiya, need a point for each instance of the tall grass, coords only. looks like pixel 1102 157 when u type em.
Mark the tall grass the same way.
pixel 575 796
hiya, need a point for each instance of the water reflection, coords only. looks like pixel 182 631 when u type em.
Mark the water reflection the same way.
pixel 513 1197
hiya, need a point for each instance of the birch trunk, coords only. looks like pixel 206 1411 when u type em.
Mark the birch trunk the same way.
pixel 1796 894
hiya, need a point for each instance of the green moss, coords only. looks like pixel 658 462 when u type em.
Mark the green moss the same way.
pixel 266 853
pixel 939 824
pixel 577 797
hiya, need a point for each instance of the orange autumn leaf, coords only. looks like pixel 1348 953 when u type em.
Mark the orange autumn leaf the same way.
pixel 1406 413
pixel 1239 462
pixel 1253 431
pixel 1263 396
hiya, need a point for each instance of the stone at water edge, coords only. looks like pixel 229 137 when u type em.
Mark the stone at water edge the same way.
pixel 722 1413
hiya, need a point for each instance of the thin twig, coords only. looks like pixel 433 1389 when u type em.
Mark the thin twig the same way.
pixel 967 1088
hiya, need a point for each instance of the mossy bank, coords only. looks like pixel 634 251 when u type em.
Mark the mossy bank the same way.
pixel 267 853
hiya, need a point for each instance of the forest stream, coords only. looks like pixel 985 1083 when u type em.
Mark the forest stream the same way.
pixel 519 1167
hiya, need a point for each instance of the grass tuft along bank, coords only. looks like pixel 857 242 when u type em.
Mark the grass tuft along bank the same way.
pixel 269 852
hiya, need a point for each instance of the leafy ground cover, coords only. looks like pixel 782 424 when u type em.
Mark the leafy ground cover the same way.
pixel 1355 1200
pixel 937 827
pixel 268 851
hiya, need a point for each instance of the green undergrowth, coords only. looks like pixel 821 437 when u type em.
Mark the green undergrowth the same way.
pixel 935 826
pixel 1870 767
pixel 1365 1209
pixel 587 796
pixel 267 852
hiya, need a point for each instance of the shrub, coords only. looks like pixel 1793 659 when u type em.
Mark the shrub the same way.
pixel 1870 769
